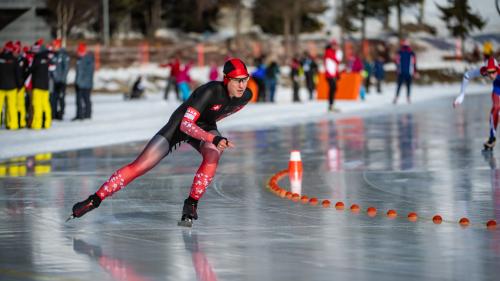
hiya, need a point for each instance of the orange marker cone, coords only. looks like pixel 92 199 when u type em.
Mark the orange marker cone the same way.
pixel 295 171
pixel 295 166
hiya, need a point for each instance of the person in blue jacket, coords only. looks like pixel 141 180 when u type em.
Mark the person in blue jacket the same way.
pixel 84 83
pixel 406 67
pixel 259 76
pixel 59 75
pixel 379 72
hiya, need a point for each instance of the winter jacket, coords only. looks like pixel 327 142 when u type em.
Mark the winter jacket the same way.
pixel 332 60
pixel 39 70
pixel 406 61
pixel 61 63
pixel 10 72
pixel 378 70
pixel 85 71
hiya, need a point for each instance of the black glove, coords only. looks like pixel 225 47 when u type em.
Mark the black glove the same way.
pixel 217 139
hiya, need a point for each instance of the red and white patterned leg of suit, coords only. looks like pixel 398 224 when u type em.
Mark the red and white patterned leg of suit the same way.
pixel 206 171
pixel 495 109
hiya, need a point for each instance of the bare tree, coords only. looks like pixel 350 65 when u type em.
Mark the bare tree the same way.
pixel 68 13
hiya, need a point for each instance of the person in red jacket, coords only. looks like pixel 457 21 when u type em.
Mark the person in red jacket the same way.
pixel 331 59
pixel 194 122
pixel 175 68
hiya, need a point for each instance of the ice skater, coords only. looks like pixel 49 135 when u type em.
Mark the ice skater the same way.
pixel 406 68
pixel 490 70
pixel 194 122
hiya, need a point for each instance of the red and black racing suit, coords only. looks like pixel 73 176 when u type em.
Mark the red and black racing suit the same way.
pixel 194 121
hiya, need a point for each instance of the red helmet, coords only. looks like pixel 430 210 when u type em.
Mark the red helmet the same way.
pixel 491 65
pixel 233 68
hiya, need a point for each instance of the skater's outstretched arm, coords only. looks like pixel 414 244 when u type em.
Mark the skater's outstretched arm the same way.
pixel 471 74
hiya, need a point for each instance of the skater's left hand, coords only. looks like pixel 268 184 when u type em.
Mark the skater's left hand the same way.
pixel 223 144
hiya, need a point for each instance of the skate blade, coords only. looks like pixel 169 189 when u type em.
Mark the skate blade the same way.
pixel 70 218
pixel 185 223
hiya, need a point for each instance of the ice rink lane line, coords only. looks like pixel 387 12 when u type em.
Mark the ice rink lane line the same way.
pixel 272 185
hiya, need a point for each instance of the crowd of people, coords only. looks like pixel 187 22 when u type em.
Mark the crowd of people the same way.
pixel 33 84
pixel 33 78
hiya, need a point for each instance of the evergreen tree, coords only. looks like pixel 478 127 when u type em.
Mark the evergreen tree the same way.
pixel 288 17
pixel 191 15
pixel 460 20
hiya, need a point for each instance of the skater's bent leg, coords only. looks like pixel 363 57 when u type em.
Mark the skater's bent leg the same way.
pixel 206 171
pixel 495 110
pixel 154 151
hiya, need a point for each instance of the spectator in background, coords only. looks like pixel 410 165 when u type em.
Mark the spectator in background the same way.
pixel 213 74
pixel 259 76
pixel 21 92
pixel 84 82
pixel 379 72
pixel 367 72
pixel 331 59
pixel 59 75
pixel 272 74
pixel 310 69
pixel 355 65
pixel 39 70
pixel 137 90
pixel 28 85
pixel 183 80
pixel 10 77
pixel 406 69
pixel 487 50
pixel 175 67
pixel 295 77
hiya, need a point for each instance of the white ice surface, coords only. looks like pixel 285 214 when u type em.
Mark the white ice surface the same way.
pixel 117 121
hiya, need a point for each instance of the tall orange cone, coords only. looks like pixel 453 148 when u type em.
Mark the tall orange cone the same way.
pixel 295 172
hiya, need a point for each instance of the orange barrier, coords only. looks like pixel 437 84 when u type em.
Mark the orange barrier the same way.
pixel 274 187
pixel 348 86
pixel 252 85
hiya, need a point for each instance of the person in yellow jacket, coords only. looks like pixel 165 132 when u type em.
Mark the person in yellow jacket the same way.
pixel 39 70
pixel 9 81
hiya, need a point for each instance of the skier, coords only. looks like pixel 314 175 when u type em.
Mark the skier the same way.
pixel 490 70
pixel 194 121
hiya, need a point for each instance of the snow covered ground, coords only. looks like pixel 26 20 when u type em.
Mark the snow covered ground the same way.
pixel 118 121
